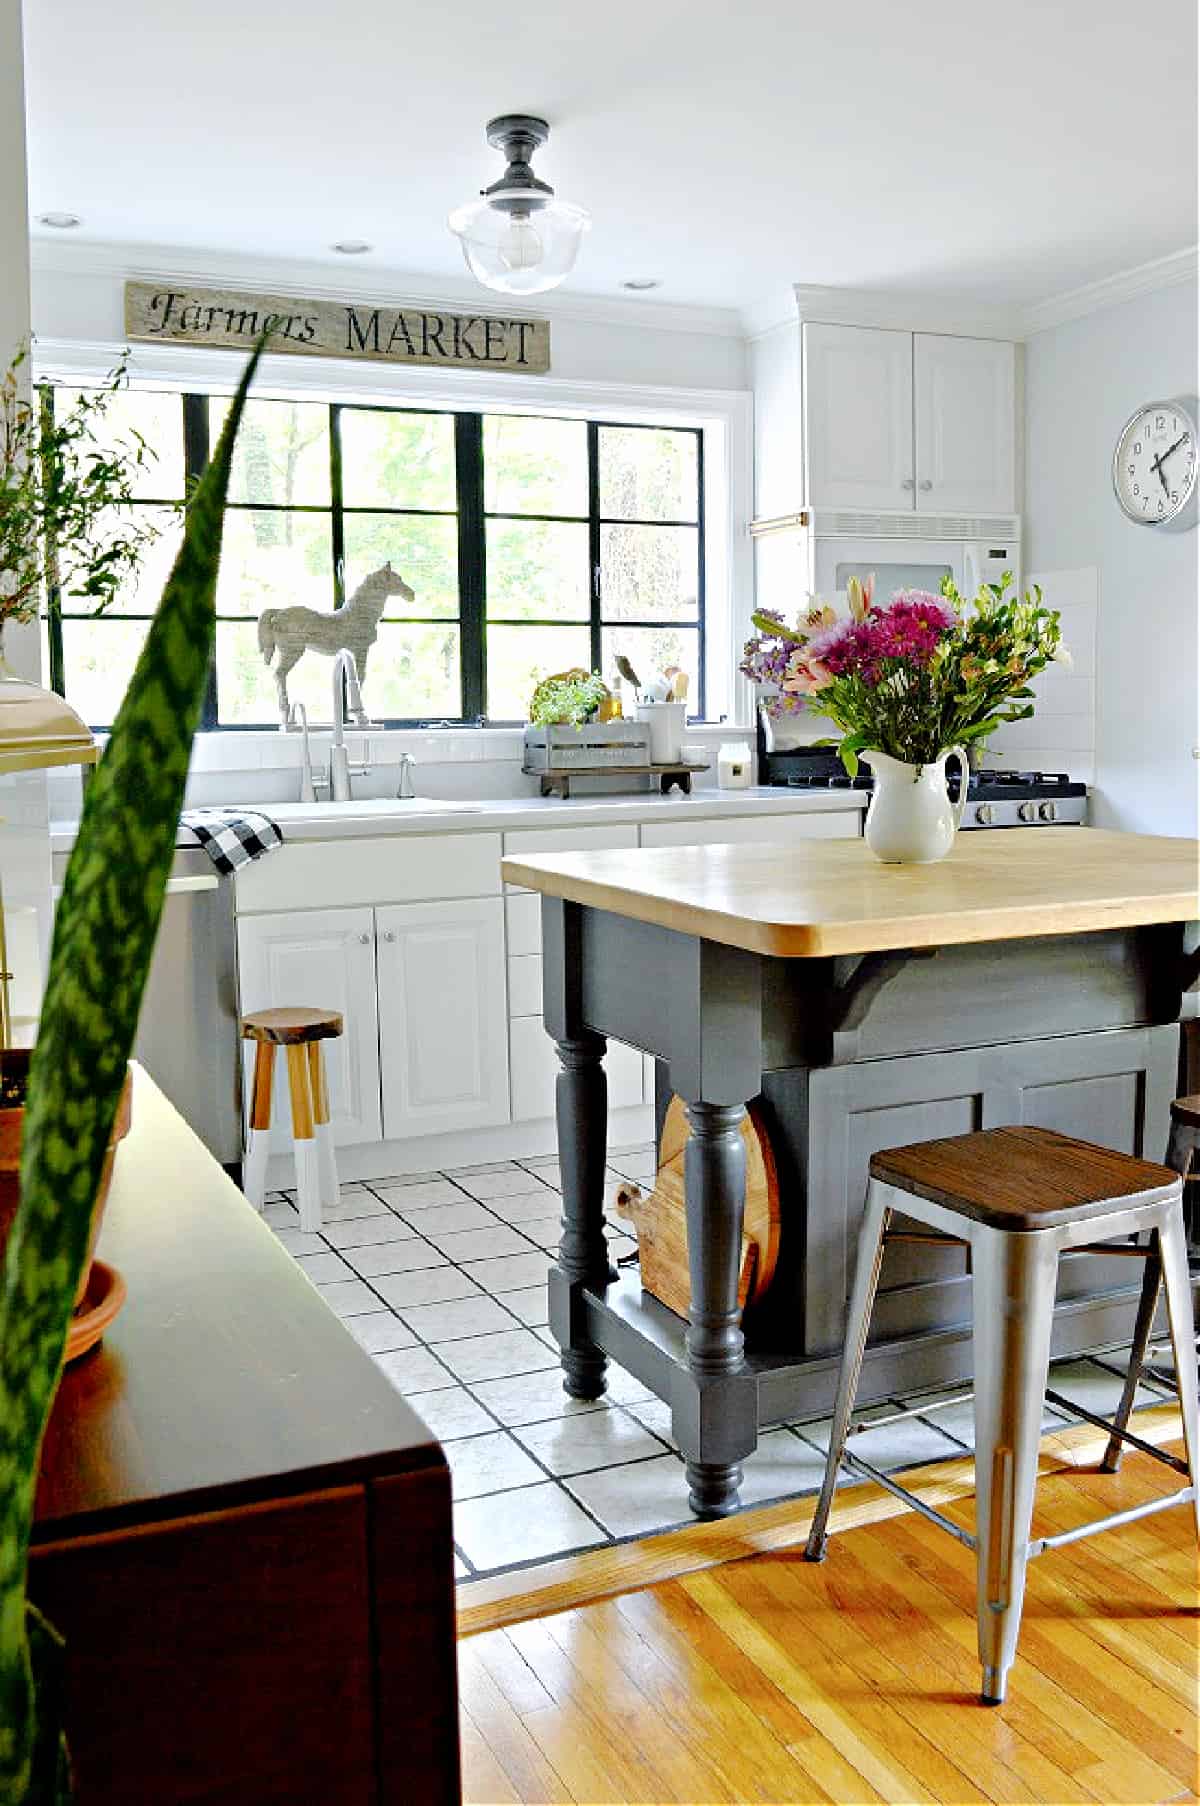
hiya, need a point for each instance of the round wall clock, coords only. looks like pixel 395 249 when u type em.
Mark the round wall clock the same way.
pixel 1154 465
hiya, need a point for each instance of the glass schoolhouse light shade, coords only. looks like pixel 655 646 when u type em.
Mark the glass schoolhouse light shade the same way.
pixel 518 238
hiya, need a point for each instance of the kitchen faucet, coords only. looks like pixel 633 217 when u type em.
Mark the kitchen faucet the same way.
pixel 298 717
pixel 339 759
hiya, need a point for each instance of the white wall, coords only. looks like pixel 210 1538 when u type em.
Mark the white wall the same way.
pixel 1083 380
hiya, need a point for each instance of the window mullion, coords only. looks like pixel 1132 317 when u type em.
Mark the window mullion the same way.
pixel 594 583
pixel 54 632
pixel 472 564
pixel 195 461
pixel 337 515
pixel 701 573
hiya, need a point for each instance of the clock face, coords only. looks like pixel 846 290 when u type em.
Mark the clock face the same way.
pixel 1154 467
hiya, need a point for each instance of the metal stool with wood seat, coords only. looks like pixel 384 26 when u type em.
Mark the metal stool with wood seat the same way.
pixel 300 1032
pixel 1018 1198
pixel 1183 1157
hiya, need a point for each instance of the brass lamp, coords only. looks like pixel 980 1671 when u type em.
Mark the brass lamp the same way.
pixel 37 729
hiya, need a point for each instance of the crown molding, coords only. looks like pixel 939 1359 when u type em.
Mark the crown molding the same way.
pixel 769 314
pixel 905 310
pixel 366 282
pixel 1111 291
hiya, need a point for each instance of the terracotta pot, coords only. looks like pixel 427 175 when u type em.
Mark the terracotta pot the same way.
pixel 14 1061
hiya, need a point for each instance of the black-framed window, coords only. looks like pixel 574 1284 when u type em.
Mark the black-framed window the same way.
pixel 531 543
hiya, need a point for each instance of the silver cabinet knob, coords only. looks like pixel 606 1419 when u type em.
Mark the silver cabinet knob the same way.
pixel 907 483
pixel 925 483
pixel 389 934
pixel 364 940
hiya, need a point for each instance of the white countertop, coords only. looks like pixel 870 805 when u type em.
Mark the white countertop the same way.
pixel 430 815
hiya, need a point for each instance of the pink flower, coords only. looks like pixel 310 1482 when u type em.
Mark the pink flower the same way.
pixel 807 676
pixel 841 647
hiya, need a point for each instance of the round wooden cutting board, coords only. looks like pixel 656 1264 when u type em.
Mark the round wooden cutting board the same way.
pixel 660 1219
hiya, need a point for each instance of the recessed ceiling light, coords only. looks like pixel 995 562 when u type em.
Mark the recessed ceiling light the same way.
pixel 640 283
pixel 352 247
pixel 62 222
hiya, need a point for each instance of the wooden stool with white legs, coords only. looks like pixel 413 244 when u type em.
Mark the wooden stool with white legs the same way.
pixel 300 1033
pixel 1017 1198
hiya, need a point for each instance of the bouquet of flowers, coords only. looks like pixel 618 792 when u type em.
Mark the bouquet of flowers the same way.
pixel 914 677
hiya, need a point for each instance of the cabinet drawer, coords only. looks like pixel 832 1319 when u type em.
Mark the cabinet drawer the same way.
pixel 403 868
pixel 533 1061
pixel 523 918
pixel 741 830
pixel 525 985
pixel 568 840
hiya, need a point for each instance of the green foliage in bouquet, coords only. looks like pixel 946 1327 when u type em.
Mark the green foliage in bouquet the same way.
pixel 914 677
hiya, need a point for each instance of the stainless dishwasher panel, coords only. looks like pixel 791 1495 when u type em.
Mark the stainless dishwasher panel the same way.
pixel 188 1033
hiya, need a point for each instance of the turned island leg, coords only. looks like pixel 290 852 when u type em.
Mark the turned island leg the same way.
pixel 581 1109
pixel 715 1183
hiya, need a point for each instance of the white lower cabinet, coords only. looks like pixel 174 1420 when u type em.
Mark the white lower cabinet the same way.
pixel 535 1068
pixel 320 959
pixel 442 1016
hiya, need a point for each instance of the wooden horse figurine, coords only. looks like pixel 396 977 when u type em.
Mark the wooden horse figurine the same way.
pixel 295 631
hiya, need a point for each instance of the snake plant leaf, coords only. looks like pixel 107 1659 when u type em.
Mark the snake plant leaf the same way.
pixel 103 941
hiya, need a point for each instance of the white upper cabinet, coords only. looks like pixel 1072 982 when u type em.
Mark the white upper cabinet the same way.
pixel 319 959
pixel 858 404
pixel 914 422
pixel 443 1016
pixel 965 424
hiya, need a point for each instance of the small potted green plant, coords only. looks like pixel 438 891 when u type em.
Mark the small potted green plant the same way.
pixel 66 526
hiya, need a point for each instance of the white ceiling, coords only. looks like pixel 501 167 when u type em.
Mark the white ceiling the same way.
pixel 1000 153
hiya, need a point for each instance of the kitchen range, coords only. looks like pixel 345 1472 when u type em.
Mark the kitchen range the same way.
pixel 995 799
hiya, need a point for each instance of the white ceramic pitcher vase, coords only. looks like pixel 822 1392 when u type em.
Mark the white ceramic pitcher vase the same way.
pixel 911 820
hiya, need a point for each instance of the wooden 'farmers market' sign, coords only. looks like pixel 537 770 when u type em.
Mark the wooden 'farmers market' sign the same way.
pixel 182 315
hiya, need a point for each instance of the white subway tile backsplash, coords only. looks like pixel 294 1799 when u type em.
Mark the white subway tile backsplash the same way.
pixel 1061 733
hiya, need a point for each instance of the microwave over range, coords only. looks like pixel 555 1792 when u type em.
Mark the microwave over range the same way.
pixel 818 550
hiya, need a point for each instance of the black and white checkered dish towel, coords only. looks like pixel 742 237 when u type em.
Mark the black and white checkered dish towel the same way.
pixel 232 837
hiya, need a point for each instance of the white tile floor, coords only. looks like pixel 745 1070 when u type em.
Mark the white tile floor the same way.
pixel 441 1278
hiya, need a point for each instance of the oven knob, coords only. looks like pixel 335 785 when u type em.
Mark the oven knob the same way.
pixel 1027 811
pixel 1048 811
pixel 985 815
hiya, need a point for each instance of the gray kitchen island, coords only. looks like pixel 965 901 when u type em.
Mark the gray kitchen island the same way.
pixel 1035 978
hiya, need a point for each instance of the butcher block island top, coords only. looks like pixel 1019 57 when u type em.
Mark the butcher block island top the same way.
pixel 834 897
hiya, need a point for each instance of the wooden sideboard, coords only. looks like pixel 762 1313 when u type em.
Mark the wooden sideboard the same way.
pixel 243 1532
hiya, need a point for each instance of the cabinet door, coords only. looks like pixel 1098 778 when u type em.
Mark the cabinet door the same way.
pixel 858 407
pixel 323 959
pixel 443 1017
pixel 1112 1088
pixel 966 424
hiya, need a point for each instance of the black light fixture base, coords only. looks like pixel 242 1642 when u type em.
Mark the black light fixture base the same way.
pixel 514 126
pixel 518 135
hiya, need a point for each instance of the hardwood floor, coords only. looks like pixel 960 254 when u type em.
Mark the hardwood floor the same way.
pixel 770 1680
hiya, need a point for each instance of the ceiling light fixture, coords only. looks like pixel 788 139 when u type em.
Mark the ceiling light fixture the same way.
pixel 351 247
pixel 518 238
pixel 62 222
pixel 639 284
